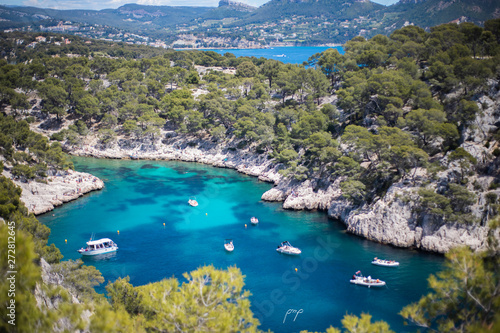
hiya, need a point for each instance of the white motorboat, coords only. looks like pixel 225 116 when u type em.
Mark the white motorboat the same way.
pixel 254 220
pixel 286 248
pixel 100 246
pixel 366 281
pixel 228 245
pixel 192 201
pixel 383 262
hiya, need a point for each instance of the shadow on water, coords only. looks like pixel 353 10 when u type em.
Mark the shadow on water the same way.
pixel 149 166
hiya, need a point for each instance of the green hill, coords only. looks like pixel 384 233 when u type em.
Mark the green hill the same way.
pixel 429 13
pixel 290 22
pixel 131 16
pixel 337 9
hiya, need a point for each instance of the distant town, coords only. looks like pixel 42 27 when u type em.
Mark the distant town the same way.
pixel 295 31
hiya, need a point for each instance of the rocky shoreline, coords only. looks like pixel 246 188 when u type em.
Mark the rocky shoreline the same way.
pixel 389 220
pixel 40 198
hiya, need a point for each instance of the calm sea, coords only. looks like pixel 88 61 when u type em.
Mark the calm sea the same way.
pixel 288 55
pixel 161 236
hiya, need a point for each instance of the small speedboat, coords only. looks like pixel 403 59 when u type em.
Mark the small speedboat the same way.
pixel 383 262
pixel 286 248
pixel 254 220
pixel 100 246
pixel 228 245
pixel 366 281
pixel 192 201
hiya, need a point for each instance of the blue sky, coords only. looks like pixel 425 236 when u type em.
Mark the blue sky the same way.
pixel 102 4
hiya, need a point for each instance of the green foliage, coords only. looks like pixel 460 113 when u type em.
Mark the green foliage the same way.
pixel 353 190
pixel 108 319
pixel 23 171
pixel 362 324
pixel 122 293
pixel 453 205
pixel 9 198
pixel 28 316
pixel 79 278
pixel 390 145
pixel 247 69
pixel 287 155
pixel 209 300
pixel 106 136
pixel 465 295
pixel 16 135
pixel 465 160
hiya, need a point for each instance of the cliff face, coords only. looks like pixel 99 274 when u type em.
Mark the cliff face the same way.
pixel 395 218
pixel 48 300
pixel 392 220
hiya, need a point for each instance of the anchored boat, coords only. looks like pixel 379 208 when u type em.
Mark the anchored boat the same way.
pixel 366 281
pixel 228 245
pixel 192 201
pixel 287 248
pixel 254 220
pixel 100 246
pixel 383 262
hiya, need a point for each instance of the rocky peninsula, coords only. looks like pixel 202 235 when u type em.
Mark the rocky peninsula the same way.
pixel 42 197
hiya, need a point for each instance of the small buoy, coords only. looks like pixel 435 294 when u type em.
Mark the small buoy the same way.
pixel 206 214
pixel 66 241
pixel 245 225
pixel 163 223
pixel 53 214
pixel 118 231
pixel 296 269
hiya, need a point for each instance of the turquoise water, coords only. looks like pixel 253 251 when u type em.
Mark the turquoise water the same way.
pixel 288 55
pixel 139 196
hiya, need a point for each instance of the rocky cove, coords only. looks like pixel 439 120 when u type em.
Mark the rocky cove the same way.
pixel 390 220
pixel 393 218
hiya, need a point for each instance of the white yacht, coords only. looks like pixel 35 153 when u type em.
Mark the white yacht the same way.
pixel 254 220
pixel 100 246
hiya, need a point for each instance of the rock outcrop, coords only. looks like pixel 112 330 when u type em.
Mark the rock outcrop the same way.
pixel 52 301
pixel 40 198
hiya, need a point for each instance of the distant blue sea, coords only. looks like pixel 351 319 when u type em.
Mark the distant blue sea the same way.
pixel 140 196
pixel 288 55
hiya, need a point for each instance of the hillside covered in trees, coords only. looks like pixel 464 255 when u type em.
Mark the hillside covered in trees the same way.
pixel 236 25
pixel 403 102
pixel 394 112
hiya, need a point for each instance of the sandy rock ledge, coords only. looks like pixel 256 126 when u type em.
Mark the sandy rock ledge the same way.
pixel 40 198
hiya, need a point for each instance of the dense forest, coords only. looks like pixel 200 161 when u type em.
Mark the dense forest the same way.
pixel 402 100
pixel 403 103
